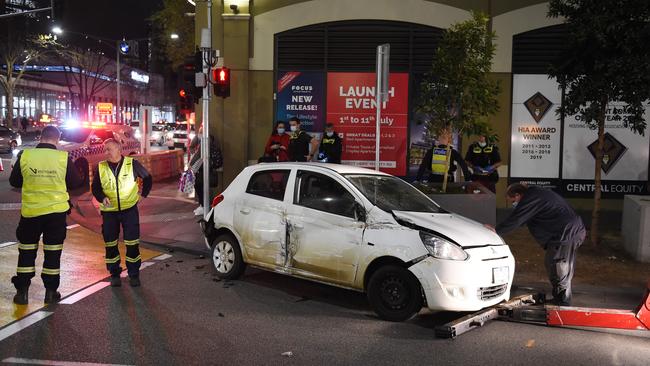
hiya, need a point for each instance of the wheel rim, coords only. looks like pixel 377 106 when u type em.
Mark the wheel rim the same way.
pixel 223 257
pixel 393 293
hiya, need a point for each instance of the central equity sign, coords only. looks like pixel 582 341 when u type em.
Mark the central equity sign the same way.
pixel 537 106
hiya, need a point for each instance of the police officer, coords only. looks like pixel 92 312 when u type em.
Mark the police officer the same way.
pixel 301 145
pixel 45 175
pixel 115 186
pixel 330 146
pixel 484 159
pixel 435 161
pixel 555 226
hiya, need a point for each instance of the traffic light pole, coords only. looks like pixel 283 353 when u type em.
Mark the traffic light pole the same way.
pixel 206 50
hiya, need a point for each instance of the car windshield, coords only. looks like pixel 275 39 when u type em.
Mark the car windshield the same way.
pixel 77 135
pixel 392 194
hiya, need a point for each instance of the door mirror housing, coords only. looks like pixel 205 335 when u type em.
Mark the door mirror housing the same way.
pixel 360 212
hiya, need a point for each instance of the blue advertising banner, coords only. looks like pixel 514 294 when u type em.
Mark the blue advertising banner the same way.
pixel 300 94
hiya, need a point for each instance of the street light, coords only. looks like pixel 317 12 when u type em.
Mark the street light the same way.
pixel 57 30
pixel 174 36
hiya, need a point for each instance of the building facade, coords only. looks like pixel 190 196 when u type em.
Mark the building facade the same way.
pixel 315 59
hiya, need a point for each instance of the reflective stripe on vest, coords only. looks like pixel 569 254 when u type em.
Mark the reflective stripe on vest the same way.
pixel 44 189
pixel 479 150
pixel 439 160
pixel 328 141
pixel 125 184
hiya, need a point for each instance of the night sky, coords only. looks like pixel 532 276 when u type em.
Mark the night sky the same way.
pixel 111 19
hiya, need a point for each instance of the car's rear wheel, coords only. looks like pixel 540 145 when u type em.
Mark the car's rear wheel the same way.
pixel 394 293
pixel 227 260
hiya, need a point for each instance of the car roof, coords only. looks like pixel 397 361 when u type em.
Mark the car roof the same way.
pixel 339 168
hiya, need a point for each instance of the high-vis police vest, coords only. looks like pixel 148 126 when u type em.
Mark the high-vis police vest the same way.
pixel 480 150
pixel 439 160
pixel 121 191
pixel 44 189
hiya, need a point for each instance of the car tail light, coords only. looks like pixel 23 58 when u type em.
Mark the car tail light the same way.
pixel 217 200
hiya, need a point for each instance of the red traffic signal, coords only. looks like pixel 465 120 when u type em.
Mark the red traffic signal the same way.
pixel 181 93
pixel 221 79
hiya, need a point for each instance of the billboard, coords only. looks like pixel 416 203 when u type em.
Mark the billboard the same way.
pixel 300 94
pixel 351 108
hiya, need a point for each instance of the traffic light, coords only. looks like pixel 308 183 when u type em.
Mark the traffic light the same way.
pixel 221 79
pixel 185 101
pixel 188 80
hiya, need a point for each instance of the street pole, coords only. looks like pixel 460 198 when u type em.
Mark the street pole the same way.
pixel 381 92
pixel 206 48
pixel 117 110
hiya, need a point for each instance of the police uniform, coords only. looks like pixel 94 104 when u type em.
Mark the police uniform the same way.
pixel 45 174
pixel 484 158
pixel 434 162
pixel 330 149
pixel 118 183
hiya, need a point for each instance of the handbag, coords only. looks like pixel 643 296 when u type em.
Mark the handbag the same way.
pixel 186 182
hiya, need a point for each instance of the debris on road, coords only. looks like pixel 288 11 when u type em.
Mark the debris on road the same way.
pixel 287 354
pixel 201 256
pixel 200 267
pixel 179 261
pixel 530 343
pixel 221 315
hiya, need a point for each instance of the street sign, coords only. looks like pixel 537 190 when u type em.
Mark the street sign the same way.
pixel 105 109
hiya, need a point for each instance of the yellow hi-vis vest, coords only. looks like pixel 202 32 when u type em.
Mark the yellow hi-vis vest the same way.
pixel 122 191
pixel 439 159
pixel 44 189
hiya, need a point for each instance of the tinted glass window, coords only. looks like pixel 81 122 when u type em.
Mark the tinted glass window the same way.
pixel 269 183
pixel 323 193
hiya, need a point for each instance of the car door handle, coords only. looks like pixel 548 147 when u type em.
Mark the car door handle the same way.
pixel 245 211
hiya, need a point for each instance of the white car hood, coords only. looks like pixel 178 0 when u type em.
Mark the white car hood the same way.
pixel 463 231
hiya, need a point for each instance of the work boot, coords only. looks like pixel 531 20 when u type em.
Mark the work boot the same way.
pixel 52 296
pixel 116 281
pixel 21 297
pixel 134 281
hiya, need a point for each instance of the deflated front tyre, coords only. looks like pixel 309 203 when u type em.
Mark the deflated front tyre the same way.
pixel 394 293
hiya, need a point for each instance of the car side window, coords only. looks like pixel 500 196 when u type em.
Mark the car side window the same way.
pixel 269 183
pixel 323 193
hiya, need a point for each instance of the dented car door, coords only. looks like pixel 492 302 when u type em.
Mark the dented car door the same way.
pixel 324 236
pixel 259 218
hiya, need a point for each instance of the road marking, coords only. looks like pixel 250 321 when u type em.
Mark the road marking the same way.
pixel 31 361
pixel 144 265
pixel 10 206
pixel 84 293
pixel 182 199
pixel 23 323
pixel 73 226
pixel 162 257
pixel 7 244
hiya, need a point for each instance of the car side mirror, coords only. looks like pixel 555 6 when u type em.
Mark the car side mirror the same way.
pixel 360 212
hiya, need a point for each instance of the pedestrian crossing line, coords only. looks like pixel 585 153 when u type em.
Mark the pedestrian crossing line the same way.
pixel 84 293
pixel 7 244
pixel 31 361
pixel 23 323
pixel 162 257
pixel 144 265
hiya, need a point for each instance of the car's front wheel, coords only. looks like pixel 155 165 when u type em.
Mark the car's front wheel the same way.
pixel 394 293
pixel 227 260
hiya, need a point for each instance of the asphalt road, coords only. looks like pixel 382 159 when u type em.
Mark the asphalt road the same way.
pixel 182 316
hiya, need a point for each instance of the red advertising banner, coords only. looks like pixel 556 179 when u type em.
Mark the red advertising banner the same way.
pixel 351 108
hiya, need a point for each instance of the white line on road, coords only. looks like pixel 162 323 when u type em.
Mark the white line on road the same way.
pixel 182 199
pixel 73 226
pixel 30 361
pixel 162 257
pixel 10 206
pixel 84 293
pixel 7 244
pixel 23 323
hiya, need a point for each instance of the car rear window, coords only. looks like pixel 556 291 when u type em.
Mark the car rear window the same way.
pixel 269 183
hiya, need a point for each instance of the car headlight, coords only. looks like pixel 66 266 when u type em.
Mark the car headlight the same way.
pixel 441 248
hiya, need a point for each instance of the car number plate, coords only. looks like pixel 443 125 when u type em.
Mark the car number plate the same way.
pixel 500 275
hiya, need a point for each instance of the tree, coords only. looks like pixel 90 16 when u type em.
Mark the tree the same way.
pixel 20 45
pixel 172 18
pixel 87 73
pixel 457 95
pixel 606 60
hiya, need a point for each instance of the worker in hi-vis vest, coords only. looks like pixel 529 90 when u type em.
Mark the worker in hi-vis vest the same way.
pixel 435 162
pixel 45 175
pixel 115 187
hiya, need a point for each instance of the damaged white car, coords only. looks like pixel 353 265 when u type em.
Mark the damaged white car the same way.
pixel 358 229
